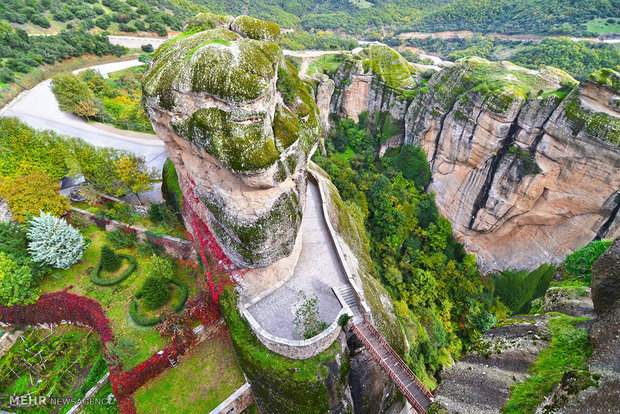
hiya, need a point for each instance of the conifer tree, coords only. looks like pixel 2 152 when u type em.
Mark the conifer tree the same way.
pixel 155 292
pixel 54 242
pixel 110 261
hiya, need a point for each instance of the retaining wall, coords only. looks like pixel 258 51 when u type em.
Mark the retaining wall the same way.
pixel 298 349
pixel 175 247
pixel 236 402
pixel 359 295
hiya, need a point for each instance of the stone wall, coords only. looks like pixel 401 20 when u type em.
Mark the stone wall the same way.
pixel 175 247
pixel 298 349
pixel 237 402
pixel 359 295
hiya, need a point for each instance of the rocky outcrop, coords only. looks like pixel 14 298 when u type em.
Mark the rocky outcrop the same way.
pixel 374 82
pixel 239 126
pixel 525 171
pixel 606 280
pixel 524 175
pixel 480 382
pixel 604 363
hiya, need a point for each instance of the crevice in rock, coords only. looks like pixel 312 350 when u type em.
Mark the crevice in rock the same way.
pixel 534 146
pixel 483 195
pixel 473 131
pixel 602 232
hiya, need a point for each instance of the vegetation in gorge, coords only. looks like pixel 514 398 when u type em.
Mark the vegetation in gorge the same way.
pixel 442 301
pixel 517 289
pixel 567 353
pixel 579 263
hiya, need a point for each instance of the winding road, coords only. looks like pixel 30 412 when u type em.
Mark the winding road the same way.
pixel 38 108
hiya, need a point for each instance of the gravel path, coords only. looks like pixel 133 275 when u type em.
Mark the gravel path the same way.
pixel 317 271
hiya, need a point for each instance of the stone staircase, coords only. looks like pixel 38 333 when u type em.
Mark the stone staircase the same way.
pixel 346 296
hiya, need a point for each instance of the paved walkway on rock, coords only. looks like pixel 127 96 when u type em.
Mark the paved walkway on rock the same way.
pixel 39 109
pixel 317 271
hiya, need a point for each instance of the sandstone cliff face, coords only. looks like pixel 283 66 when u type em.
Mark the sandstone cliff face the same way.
pixel 523 175
pixel 239 126
pixel 373 81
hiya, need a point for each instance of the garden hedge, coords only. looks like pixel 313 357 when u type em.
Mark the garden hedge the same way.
pixel 97 280
pixel 138 319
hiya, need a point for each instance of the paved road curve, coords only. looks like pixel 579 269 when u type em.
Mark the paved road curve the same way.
pixel 39 109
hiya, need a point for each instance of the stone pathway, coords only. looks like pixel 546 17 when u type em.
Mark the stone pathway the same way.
pixel 317 272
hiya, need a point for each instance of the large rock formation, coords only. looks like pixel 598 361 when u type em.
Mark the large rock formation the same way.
pixel 524 174
pixel 525 165
pixel 239 126
pixel 374 82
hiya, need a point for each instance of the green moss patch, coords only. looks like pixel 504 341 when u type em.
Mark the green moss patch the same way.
pixel 241 147
pixel 257 29
pixel 170 188
pixel 286 127
pixel 239 72
pixel 206 21
pixel 390 66
pixel 606 77
pixel 247 238
pixel 500 85
pixel 598 124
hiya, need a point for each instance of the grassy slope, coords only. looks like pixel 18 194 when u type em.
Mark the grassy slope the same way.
pixel 601 26
pixel 202 380
pixel 569 349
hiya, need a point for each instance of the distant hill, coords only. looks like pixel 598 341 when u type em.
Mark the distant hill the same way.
pixel 356 17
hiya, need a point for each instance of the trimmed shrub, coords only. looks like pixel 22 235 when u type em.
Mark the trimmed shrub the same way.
pixel 155 293
pixel 96 278
pixel 146 321
pixel 110 261
pixel 160 267
pixel 122 238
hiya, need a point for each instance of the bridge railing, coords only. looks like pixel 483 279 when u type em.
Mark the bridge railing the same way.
pixel 399 359
pixel 391 373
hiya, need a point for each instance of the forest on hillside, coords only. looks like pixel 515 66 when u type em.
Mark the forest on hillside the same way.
pixel 359 17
